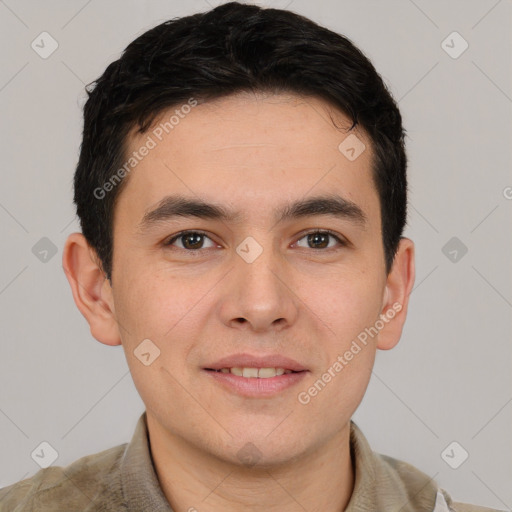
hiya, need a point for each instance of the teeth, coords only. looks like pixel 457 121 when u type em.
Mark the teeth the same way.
pixel 251 373
pixel 264 373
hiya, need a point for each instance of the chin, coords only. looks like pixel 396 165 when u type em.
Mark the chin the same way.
pixel 265 449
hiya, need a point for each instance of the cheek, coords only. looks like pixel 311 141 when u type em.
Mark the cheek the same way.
pixel 338 384
pixel 155 315
pixel 167 311
pixel 153 303
pixel 347 306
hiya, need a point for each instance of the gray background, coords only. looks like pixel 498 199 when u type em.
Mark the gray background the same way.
pixel 449 378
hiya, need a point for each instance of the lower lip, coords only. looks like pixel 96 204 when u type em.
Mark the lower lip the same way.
pixel 256 387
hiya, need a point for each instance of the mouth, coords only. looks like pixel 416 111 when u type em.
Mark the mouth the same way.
pixel 252 382
pixel 255 376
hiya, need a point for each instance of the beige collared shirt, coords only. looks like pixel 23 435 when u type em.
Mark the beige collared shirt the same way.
pixel 123 478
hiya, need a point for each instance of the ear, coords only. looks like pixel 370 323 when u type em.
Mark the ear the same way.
pixel 91 289
pixel 396 295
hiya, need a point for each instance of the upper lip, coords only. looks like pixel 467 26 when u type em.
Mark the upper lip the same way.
pixel 250 361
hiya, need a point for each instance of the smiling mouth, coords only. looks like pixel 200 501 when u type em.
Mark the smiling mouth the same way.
pixel 254 373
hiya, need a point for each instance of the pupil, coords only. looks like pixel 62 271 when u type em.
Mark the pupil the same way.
pixel 192 236
pixel 315 238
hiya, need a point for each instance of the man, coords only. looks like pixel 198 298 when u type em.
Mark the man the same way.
pixel 241 190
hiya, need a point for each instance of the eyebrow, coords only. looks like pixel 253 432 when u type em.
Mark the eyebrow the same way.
pixel 171 207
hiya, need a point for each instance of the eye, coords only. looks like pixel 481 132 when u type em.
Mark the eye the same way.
pixel 194 240
pixel 320 239
pixel 190 240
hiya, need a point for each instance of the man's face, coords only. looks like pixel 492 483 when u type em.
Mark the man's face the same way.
pixel 254 285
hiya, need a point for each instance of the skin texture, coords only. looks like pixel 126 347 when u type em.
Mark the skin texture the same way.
pixel 251 153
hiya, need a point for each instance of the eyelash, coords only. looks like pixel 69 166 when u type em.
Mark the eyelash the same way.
pixel 175 237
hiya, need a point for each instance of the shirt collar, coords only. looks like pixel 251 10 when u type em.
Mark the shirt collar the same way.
pixel 381 482
pixel 141 488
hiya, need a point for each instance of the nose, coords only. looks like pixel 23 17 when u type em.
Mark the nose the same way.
pixel 260 294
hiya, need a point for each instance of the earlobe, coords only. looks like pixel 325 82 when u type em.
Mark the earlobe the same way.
pixel 90 288
pixel 396 295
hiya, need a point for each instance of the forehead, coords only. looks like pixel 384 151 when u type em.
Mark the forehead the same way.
pixel 249 151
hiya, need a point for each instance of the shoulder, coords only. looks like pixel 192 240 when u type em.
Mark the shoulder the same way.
pixel 444 503
pixel 445 500
pixel 385 483
pixel 79 484
pixel 466 507
pixel 418 487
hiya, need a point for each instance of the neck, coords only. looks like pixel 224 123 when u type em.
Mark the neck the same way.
pixel 193 480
